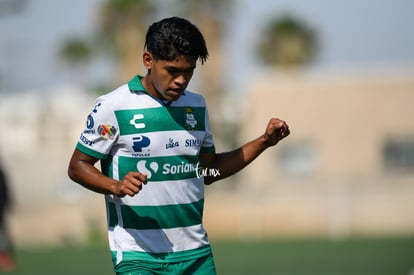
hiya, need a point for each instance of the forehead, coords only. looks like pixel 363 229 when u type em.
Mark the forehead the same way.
pixel 181 61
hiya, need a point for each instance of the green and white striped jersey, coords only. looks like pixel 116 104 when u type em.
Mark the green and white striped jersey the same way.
pixel 130 130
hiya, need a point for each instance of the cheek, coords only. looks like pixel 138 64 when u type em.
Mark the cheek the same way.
pixel 162 85
pixel 160 80
pixel 164 82
pixel 166 79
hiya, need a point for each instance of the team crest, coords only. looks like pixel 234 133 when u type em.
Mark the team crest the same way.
pixel 190 120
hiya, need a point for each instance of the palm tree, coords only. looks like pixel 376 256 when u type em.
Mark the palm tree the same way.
pixel 210 16
pixel 76 53
pixel 287 43
pixel 122 24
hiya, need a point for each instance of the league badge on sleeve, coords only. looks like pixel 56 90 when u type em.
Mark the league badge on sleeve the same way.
pixel 107 131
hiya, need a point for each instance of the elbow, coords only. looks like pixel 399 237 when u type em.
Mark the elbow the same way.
pixel 209 180
pixel 71 173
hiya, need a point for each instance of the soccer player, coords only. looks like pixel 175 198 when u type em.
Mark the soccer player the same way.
pixel 153 139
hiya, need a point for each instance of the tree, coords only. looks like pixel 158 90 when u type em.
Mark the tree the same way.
pixel 210 16
pixel 287 42
pixel 76 53
pixel 122 24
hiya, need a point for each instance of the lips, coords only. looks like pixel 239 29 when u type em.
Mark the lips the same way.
pixel 176 92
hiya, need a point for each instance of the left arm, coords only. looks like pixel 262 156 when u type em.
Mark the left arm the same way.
pixel 229 163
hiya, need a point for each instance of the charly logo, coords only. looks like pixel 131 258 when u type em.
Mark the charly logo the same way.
pixel 190 120
pixel 147 168
pixel 107 131
pixel 135 121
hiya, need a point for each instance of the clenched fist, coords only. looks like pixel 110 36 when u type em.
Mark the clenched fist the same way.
pixel 276 130
pixel 131 184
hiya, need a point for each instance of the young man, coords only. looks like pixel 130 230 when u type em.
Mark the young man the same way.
pixel 153 139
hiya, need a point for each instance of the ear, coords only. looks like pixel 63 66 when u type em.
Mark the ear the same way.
pixel 147 60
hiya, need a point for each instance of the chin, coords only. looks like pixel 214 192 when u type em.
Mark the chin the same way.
pixel 172 97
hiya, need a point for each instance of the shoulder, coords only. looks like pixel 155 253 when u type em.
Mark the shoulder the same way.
pixel 115 95
pixel 120 98
pixel 193 99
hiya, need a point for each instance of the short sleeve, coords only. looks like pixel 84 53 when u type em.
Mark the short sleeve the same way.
pixel 208 142
pixel 101 130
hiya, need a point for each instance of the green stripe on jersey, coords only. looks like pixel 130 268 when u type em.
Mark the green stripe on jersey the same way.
pixel 160 168
pixel 107 166
pixel 146 120
pixel 113 217
pixel 158 217
pixel 90 152
pixel 211 149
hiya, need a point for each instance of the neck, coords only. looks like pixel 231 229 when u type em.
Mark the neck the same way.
pixel 146 82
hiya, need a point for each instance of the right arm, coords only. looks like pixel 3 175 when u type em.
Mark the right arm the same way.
pixel 82 170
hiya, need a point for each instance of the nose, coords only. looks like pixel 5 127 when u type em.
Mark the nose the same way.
pixel 180 80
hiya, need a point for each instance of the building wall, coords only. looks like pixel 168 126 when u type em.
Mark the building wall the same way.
pixel 329 177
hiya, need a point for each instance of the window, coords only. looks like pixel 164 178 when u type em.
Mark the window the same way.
pixel 297 159
pixel 398 155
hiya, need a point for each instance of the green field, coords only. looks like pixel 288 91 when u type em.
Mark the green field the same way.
pixel 358 256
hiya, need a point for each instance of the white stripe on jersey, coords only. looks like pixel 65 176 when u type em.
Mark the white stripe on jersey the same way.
pixel 158 241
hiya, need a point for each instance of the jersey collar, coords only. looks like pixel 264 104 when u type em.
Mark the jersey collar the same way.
pixel 135 84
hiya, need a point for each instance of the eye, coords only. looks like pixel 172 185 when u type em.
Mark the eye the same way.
pixel 189 71
pixel 172 70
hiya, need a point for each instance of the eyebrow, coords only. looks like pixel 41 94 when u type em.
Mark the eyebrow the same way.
pixel 179 69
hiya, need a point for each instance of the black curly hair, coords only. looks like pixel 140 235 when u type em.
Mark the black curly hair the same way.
pixel 170 37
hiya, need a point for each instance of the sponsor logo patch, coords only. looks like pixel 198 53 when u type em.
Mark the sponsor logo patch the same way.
pixel 85 140
pixel 171 144
pixel 193 142
pixel 140 142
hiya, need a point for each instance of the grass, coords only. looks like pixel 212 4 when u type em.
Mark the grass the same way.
pixel 318 257
pixel 63 261
pixel 360 256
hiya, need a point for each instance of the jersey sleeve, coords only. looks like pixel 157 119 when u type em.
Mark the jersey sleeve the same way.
pixel 101 130
pixel 208 142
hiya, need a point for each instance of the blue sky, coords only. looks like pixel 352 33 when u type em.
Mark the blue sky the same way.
pixel 353 34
